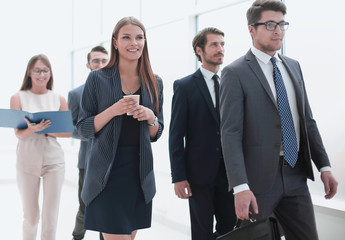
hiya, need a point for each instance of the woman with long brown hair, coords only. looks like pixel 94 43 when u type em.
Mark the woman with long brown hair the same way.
pixel 39 156
pixel 119 181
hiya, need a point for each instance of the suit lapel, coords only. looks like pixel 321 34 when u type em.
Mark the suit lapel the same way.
pixel 254 65
pixel 115 78
pixel 117 84
pixel 146 100
pixel 144 131
pixel 297 84
pixel 200 82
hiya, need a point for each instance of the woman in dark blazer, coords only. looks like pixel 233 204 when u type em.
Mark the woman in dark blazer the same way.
pixel 119 181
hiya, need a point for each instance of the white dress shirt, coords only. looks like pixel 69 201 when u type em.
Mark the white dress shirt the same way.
pixel 209 82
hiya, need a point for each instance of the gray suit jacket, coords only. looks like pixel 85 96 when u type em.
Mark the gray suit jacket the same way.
pixel 251 127
pixel 74 97
pixel 102 89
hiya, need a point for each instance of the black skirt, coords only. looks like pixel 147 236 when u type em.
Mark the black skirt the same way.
pixel 120 208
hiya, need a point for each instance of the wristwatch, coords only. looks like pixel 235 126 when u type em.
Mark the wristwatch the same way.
pixel 154 123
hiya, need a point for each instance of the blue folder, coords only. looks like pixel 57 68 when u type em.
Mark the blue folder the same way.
pixel 61 121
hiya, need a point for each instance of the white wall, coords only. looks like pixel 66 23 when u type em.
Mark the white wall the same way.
pixel 315 37
pixel 29 28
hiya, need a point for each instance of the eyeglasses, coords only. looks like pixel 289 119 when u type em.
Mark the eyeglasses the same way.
pixel 271 26
pixel 98 61
pixel 38 72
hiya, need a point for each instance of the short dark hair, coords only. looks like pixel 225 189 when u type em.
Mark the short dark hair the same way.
pixel 200 38
pixel 96 49
pixel 258 6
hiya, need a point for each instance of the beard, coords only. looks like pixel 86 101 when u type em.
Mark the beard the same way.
pixel 213 60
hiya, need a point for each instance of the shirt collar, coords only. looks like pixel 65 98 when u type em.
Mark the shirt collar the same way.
pixel 263 57
pixel 208 74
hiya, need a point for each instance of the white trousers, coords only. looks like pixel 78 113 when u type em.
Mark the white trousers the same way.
pixel 52 177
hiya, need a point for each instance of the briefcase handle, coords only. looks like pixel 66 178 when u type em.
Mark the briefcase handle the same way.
pixel 239 222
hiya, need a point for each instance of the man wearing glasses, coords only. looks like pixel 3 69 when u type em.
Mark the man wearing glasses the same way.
pixel 96 59
pixel 269 136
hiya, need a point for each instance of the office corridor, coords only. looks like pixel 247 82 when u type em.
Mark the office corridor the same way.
pixel 170 214
pixel 11 208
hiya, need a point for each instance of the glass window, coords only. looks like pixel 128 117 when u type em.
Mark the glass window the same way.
pixel 316 41
pixel 80 71
pixel 113 11
pixel 168 11
pixel 233 22
pixel 86 21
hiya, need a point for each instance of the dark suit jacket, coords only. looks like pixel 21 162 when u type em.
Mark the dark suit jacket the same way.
pixel 194 137
pixel 74 97
pixel 102 89
pixel 251 127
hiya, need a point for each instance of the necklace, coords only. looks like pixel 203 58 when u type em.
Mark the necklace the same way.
pixel 129 91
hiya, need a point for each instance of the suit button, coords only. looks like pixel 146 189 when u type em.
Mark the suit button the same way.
pixel 217 132
pixel 217 149
pixel 277 145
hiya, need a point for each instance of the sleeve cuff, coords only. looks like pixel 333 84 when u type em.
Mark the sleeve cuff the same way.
pixel 325 169
pixel 244 186
pixel 241 188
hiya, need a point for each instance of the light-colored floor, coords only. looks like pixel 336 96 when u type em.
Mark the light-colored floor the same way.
pixel 163 227
pixel 170 214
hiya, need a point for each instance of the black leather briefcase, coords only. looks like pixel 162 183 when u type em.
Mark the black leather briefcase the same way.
pixel 266 229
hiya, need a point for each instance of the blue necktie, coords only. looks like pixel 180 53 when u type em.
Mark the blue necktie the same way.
pixel 288 129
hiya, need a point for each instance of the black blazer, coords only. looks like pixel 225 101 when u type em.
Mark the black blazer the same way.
pixel 102 89
pixel 194 137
